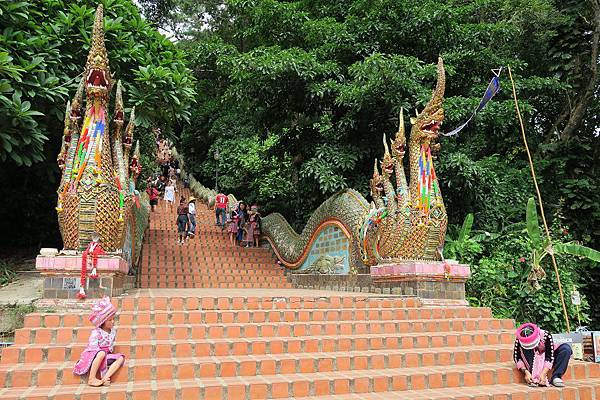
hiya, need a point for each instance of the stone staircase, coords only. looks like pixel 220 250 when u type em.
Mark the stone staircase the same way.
pixel 192 334
pixel 282 346
pixel 208 260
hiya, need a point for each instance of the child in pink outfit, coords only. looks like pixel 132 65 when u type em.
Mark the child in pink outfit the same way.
pixel 98 356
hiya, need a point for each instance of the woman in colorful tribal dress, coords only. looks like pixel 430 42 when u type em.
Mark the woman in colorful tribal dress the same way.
pixel 536 356
pixel 98 356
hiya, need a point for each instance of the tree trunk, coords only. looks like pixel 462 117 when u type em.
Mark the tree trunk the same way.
pixel 578 113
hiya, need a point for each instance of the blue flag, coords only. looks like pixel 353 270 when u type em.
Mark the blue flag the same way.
pixel 492 89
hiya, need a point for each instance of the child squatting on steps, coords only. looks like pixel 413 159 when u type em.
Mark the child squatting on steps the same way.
pixel 98 356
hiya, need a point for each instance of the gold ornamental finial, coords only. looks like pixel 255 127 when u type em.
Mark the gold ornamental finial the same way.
pixel 97 72
pixel 434 105
pixel 67 115
pixel 375 168
pixel 129 130
pixel 385 144
pixel 401 134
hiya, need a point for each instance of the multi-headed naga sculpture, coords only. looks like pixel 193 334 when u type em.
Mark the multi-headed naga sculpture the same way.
pixel 98 178
pixel 414 223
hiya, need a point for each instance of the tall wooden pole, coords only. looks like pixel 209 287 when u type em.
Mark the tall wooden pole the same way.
pixel 539 196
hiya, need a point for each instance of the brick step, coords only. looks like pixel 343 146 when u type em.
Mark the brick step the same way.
pixel 584 389
pixel 197 331
pixel 229 270
pixel 222 285
pixel 312 384
pixel 194 316
pixel 193 256
pixel 215 272
pixel 54 373
pixel 220 278
pixel 33 353
pixel 406 305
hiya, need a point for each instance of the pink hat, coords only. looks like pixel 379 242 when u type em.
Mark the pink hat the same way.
pixel 102 310
pixel 529 335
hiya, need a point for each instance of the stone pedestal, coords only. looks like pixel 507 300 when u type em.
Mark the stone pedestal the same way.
pixel 427 280
pixel 62 274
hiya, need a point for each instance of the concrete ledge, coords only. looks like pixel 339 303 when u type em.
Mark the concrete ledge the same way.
pixel 73 263
pixel 62 276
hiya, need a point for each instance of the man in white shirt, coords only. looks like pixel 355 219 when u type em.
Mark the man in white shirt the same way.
pixel 192 216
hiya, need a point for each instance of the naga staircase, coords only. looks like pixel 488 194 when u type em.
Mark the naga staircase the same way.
pixel 207 261
pixel 217 322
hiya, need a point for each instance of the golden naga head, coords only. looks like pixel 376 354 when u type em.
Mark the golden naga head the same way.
pixel 376 182
pixel 387 164
pixel 128 139
pixel 399 143
pixel 428 122
pixel 98 81
pixel 119 116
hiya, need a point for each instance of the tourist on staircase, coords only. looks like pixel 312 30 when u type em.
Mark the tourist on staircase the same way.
pixel 153 195
pixel 182 220
pixel 253 227
pixel 233 221
pixel 242 214
pixel 98 356
pixel 536 355
pixel 169 195
pixel 221 209
pixel 192 216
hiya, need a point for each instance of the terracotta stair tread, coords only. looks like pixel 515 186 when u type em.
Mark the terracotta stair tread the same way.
pixel 260 345
pixel 243 316
pixel 233 330
pixel 397 379
pixel 200 367
pixel 585 388
pixel 279 356
pixel 399 327
pixel 367 311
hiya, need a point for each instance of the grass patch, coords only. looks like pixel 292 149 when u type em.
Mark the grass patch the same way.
pixel 7 273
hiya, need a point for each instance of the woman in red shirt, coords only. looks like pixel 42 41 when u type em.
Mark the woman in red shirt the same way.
pixel 153 194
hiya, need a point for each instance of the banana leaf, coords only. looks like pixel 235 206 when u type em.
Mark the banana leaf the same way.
pixel 465 231
pixel 533 226
pixel 577 250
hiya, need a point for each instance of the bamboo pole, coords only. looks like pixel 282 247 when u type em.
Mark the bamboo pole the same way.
pixel 539 196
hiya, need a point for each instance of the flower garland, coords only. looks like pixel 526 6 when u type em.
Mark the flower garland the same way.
pixel 92 251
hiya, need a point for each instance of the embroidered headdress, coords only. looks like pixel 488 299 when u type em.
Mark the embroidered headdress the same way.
pixel 529 335
pixel 102 310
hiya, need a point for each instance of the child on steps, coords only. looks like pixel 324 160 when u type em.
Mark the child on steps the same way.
pixel 98 356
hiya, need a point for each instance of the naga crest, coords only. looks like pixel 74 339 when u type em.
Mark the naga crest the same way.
pixel 411 223
pixel 98 81
pixel 98 181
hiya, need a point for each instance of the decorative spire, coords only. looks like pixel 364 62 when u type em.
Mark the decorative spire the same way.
pixel 97 71
pixel 119 113
pixel 400 135
pixel 435 104
pixel 385 145
pixel 77 102
pixel 375 168
pixel 128 141
pixel 136 149
pixel 67 118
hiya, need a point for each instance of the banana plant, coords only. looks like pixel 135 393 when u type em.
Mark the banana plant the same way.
pixel 542 246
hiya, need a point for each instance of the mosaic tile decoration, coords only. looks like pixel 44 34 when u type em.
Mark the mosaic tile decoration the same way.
pixel 331 242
